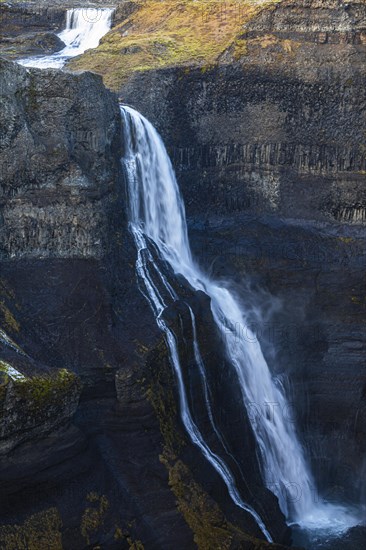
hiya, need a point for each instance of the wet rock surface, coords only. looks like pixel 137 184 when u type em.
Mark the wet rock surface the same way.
pixel 302 287
pixel 91 461
pixel 272 143
pixel 277 129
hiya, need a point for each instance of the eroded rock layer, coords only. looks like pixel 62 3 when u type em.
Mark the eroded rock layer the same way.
pixel 271 141
pixel 92 448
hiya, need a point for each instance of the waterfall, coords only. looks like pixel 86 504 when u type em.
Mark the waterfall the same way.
pixel 84 29
pixel 157 213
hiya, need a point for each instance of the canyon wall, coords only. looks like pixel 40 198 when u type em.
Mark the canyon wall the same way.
pixel 58 137
pixel 278 128
pixel 92 448
pixel 269 149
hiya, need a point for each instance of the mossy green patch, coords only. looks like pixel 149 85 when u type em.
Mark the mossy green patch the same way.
pixel 240 48
pixel 124 534
pixel 4 366
pixel 7 306
pixel 41 391
pixel 359 300
pixel 4 381
pixel 172 33
pixel 93 516
pixel 135 544
pixel 346 240
pixel 160 394
pixel 9 319
pixel 211 530
pixel 41 531
pixel 118 533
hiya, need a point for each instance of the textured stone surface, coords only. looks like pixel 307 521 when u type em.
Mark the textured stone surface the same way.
pixel 18 18
pixel 37 43
pixel 273 144
pixel 60 147
pixel 33 406
pixel 69 299
pixel 274 134
pixel 279 129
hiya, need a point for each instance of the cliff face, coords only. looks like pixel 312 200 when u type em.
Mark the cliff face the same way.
pixel 60 147
pixel 174 33
pixel 20 17
pixel 277 129
pixel 29 29
pixel 271 141
pixel 92 448
pixel 266 131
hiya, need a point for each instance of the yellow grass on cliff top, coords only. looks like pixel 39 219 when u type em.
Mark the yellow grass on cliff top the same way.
pixel 169 33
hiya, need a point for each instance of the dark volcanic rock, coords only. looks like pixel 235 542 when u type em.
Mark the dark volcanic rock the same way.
pixel 60 144
pixel 19 18
pixel 103 475
pixel 31 44
pixel 158 383
pixel 278 133
pixel 258 140
pixel 273 145
pixel 278 130
pixel 33 406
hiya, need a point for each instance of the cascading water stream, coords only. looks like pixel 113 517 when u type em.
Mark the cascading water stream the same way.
pixel 156 211
pixel 84 29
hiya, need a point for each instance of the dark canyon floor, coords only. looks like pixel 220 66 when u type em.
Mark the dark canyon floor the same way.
pixel 262 107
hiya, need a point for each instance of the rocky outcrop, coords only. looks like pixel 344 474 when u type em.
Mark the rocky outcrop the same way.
pixel 155 381
pixel 261 142
pixel 149 397
pixel 312 20
pixel 18 18
pixel 88 449
pixel 271 141
pixel 31 44
pixel 31 28
pixel 64 276
pixel 60 144
pixel 32 407
pixel 41 530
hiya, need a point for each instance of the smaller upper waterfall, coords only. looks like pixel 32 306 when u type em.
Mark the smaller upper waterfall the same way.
pixel 84 29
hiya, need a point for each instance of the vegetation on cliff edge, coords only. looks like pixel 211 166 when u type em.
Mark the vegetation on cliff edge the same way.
pixel 170 33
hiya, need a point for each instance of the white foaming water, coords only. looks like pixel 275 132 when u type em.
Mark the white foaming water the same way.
pixel 84 29
pixel 156 210
pixel 146 268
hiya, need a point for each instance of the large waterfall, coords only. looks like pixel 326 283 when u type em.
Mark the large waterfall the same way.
pixel 156 212
pixel 84 29
pixel 157 215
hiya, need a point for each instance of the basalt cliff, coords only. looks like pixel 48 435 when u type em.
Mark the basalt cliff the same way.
pixel 270 139
pixel 92 447
pixel 262 108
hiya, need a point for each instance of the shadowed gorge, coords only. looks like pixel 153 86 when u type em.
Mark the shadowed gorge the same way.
pixel 182 275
